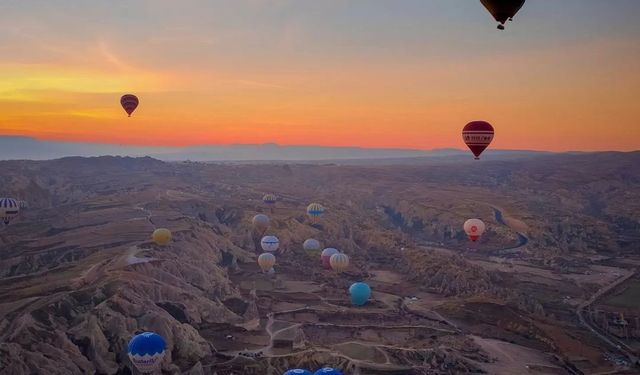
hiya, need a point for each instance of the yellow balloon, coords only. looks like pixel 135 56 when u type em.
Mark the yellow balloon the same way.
pixel 161 236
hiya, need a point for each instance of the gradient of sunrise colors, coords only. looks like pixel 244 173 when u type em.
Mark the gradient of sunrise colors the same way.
pixel 373 73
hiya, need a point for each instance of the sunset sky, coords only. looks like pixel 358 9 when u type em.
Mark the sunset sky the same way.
pixel 565 75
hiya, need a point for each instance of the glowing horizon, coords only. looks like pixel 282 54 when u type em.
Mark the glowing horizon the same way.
pixel 333 73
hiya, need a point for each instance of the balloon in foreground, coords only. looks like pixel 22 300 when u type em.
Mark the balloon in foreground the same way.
pixel 311 244
pixel 503 10
pixel 146 351
pixel 161 236
pixel 298 371
pixel 474 228
pixel 266 261
pixel 260 221
pixel 315 211
pixel 360 293
pixel 270 199
pixel 328 371
pixel 270 243
pixel 478 136
pixel 339 262
pixel 9 209
pixel 326 255
pixel 129 103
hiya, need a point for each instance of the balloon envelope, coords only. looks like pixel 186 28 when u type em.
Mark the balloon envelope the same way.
pixel 9 209
pixel 311 244
pixel 270 243
pixel 298 371
pixel 360 293
pixel 502 10
pixel 266 261
pixel 328 371
pixel 315 211
pixel 161 236
pixel 260 221
pixel 474 228
pixel 477 135
pixel 325 257
pixel 339 262
pixel 146 351
pixel 129 102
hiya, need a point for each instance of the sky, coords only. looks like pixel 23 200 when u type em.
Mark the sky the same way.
pixel 565 75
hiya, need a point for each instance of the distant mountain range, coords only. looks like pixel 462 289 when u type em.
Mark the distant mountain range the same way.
pixel 18 148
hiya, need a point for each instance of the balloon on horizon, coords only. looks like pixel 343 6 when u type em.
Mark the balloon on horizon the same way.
pixel 298 371
pixel 477 135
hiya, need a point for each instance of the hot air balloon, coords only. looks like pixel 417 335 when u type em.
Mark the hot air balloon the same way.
pixel 129 102
pixel 260 222
pixel 311 245
pixel 270 243
pixel 9 209
pixel 478 136
pixel 23 204
pixel 339 262
pixel 503 10
pixel 326 257
pixel 161 236
pixel 474 228
pixel 146 351
pixel 298 371
pixel 360 293
pixel 315 211
pixel 270 199
pixel 266 261
pixel 328 371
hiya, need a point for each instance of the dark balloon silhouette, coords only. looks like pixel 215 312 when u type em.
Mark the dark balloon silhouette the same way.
pixel 478 136
pixel 503 10
pixel 129 103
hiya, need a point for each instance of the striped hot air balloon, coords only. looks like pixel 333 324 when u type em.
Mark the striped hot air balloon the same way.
pixel 478 136
pixel 315 211
pixel 146 351
pixel 9 209
pixel 270 199
pixel 311 245
pixel 129 102
pixel 266 261
pixel 339 262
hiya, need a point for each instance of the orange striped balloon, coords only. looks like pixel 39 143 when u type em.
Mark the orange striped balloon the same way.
pixel 129 102
pixel 266 261
pixel 339 262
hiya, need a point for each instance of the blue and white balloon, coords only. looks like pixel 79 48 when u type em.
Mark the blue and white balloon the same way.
pixel 146 351
pixel 270 243
pixel 328 371
pixel 9 209
pixel 298 371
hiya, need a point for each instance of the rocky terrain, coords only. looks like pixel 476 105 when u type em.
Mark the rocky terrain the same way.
pixel 79 274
